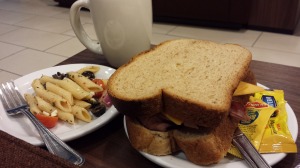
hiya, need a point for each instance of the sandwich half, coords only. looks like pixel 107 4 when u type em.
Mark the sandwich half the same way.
pixel 179 94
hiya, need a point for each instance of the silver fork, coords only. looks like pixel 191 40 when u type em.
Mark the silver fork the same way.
pixel 14 103
pixel 249 152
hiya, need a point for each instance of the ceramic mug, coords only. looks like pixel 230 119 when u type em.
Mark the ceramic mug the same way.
pixel 123 27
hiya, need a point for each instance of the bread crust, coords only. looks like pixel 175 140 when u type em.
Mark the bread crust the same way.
pixel 208 146
pixel 168 101
pixel 188 112
pixel 152 142
pixel 203 146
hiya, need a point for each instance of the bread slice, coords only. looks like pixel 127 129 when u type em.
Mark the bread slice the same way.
pixel 190 78
pixel 152 142
pixel 206 146
pixel 203 146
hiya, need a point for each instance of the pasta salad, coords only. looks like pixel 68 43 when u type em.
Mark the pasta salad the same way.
pixel 68 96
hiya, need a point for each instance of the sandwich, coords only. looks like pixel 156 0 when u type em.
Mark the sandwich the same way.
pixel 179 96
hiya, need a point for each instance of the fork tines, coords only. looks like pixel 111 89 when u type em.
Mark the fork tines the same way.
pixel 11 98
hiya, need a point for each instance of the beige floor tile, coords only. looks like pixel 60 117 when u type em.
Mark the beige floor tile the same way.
pixel 28 61
pixel 6 76
pixel 89 29
pixel 46 24
pixel 158 38
pixel 84 16
pixel 158 32
pixel 13 17
pixel 8 49
pixel 242 37
pixel 67 48
pixel 281 42
pixel 4 28
pixel 34 39
pixel 277 57
pixel 162 28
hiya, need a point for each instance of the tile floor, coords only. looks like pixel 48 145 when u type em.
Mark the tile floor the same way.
pixel 35 34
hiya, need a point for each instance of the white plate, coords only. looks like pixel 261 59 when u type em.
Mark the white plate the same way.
pixel 20 126
pixel 179 160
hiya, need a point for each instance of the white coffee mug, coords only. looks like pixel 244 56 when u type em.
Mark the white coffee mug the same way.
pixel 123 27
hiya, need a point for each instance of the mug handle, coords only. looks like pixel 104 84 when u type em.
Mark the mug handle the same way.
pixel 94 46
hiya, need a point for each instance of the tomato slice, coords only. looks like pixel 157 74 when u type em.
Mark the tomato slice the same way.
pixel 100 83
pixel 47 121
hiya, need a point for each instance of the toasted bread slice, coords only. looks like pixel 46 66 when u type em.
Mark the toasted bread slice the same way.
pixel 203 146
pixel 206 146
pixel 193 78
pixel 153 142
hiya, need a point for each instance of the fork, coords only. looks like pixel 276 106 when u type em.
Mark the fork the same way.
pixel 14 103
pixel 249 152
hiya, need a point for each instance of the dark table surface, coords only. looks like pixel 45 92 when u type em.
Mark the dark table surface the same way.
pixel 109 146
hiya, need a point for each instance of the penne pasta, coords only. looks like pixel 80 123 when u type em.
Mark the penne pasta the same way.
pixel 82 103
pixel 68 85
pixel 65 98
pixel 57 100
pixel 81 113
pixel 68 117
pixel 45 79
pixel 33 105
pixel 93 69
pixel 84 82
pixel 60 91
pixel 44 105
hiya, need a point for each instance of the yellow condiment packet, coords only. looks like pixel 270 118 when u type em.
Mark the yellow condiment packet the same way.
pixel 277 137
pixel 259 112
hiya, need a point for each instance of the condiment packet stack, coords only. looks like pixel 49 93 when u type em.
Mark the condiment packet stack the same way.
pixel 268 128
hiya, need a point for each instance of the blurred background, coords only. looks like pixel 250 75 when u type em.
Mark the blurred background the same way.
pixel 36 34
